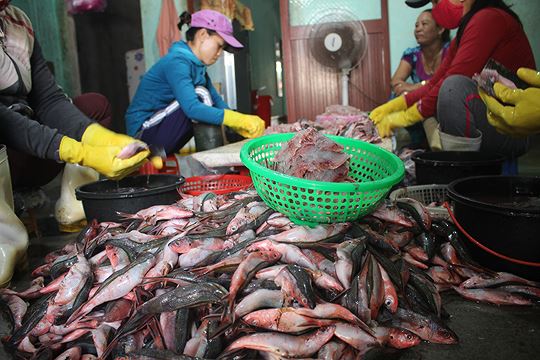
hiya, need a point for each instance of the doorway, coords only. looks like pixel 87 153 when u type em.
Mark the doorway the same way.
pixel 103 40
pixel 310 87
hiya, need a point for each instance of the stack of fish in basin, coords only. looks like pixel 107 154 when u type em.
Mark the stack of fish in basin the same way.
pixel 227 277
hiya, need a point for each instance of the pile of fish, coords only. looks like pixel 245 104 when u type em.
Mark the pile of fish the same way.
pixel 311 155
pixel 356 126
pixel 227 277
pixel 488 77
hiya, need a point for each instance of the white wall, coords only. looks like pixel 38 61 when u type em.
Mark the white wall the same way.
pixel 529 13
pixel 150 11
pixel 401 19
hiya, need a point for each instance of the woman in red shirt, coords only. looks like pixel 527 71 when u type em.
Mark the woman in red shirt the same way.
pixel 487 29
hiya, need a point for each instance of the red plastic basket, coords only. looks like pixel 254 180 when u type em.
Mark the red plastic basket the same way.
pixel 218 184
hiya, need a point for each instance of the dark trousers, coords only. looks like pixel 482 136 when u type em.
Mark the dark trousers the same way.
pixel 30 171
pixel 173 132
pixel 461 112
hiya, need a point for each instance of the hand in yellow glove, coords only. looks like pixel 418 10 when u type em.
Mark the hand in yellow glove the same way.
pixel 249 126
pixel 397 104
pixel 398 119
pixel 521 117
pixel 101 158
pixel 98 135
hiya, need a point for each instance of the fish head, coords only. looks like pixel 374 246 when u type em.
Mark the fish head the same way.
pixel 306 301
pixel 390 303
pixel 402 339
pixel 271 256
pixel 264 245
pixel 181 246
pixel 234 225
pixel 443 335
pixel 265 319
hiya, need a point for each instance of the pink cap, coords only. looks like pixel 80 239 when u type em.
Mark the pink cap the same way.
pixel 213 20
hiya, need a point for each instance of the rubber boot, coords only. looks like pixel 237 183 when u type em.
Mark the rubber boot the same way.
pixel 431 127
pixel 69 212
pixel 458 143
pixel 13 235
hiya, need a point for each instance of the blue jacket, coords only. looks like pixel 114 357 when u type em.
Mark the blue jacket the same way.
pixel 174 77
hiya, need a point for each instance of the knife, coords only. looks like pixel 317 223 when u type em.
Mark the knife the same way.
pixel 157 156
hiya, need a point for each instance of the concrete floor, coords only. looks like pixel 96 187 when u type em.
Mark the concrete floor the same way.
pixel 485 331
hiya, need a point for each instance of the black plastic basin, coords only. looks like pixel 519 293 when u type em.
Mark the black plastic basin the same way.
pixel 103 199
pixel 443 167
pixel 502 213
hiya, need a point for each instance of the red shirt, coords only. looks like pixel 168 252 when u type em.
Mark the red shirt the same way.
pixel 491 33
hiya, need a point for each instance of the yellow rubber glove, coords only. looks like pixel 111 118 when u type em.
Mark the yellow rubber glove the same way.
pixel 100 158
pixel 521 117
pixel 249 126
pixel 398 119
pixel 98 135
pixel 397 104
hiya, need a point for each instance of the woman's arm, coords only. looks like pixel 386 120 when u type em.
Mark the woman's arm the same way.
pixel 178 76
pixel 398 79
pixel 52 107
pixel 481 37
pixel 27 135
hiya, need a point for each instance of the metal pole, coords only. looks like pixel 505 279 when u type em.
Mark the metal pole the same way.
pixel 345 87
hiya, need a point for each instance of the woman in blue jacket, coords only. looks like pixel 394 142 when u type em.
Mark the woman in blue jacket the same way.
pixel 177 88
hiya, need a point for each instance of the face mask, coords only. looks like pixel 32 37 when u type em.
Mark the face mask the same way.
pixel 447 14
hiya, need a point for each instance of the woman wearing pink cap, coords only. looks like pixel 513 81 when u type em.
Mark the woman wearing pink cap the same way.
pixel 175 90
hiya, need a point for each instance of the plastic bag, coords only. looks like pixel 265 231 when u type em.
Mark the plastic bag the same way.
pixel 80 6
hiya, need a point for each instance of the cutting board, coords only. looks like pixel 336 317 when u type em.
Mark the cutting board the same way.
pixel 229 155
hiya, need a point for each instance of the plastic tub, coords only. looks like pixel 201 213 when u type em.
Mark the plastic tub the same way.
pixel 443 167
pixel 103 199
pixel 502 216
pixel 207 136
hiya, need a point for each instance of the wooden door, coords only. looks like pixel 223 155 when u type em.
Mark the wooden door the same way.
pixel 310 87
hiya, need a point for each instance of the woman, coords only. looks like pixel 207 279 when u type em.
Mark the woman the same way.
pixel 177 88
pixel 421 62
pixel 38 122
pixel 487 29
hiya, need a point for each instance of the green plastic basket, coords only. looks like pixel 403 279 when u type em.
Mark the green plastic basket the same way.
pixel 309 202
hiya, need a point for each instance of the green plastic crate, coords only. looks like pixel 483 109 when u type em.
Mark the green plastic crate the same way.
pixel 309 202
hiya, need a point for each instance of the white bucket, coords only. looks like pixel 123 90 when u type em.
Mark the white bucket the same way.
pixel 6 193
pixel 13 235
